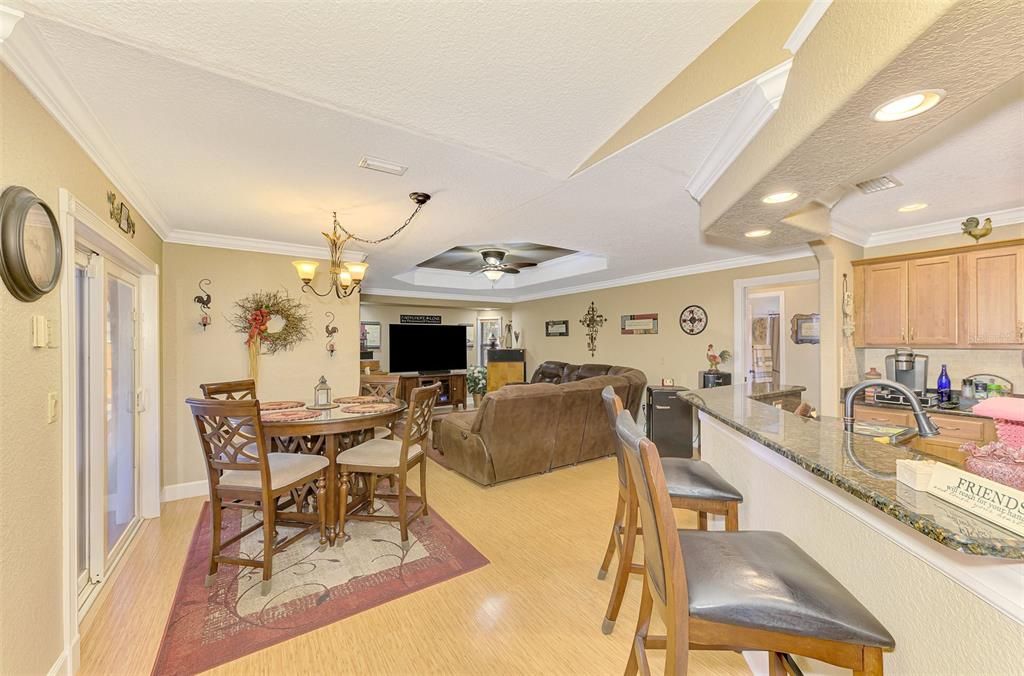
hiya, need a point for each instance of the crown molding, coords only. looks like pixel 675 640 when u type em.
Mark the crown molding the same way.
pixel 26 55
pixel 9 18
pixel 951 226
pixel 428 295
pixel 807 22
pixel 757 107
pixel 268 246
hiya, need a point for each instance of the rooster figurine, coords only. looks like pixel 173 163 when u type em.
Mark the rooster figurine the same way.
pixel 971 228
pixel 714 359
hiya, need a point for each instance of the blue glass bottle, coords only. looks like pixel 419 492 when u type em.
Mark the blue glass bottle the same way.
pixel 945 388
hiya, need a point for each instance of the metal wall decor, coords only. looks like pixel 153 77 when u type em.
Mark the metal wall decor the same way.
pixel 331 331
pixel 31 251
pixel 204 300
pixel 120 214
pixel 805 329
pixel 592 321
pixel 556 328
pixel 693 320
pixel 637 325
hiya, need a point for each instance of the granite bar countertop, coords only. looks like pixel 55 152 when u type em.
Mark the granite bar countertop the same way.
pixel 768 390
pixel 858 465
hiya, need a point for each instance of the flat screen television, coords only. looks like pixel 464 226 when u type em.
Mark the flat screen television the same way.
pixel 426 347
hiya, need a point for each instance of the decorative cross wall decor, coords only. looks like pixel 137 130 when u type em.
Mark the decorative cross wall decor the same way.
pixel 592 321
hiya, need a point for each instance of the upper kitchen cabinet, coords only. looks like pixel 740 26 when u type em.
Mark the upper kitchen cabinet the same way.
pixel 964 297
pixel 880 304
pixel 994 303
pixel 932 301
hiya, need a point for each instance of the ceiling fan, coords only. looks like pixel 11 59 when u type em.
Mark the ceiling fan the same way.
pixel 494 267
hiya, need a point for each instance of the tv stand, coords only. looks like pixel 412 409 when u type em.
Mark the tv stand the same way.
pixel 442 372
pixel 453 387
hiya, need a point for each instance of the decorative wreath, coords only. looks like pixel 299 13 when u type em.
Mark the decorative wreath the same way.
pixel 253 314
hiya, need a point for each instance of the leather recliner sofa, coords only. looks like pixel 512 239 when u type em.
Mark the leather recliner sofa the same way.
pixel 557 419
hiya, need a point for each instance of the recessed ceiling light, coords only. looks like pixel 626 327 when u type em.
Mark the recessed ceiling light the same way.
pixel 386 166
pixel 916 206
pixel 761 232
pixel 908 105
pixel 780 197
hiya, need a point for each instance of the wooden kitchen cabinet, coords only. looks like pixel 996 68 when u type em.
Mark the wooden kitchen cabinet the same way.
pixel 883 416
pixel 932 301
pixel 994 302
pixel 881 309
pixel 963 297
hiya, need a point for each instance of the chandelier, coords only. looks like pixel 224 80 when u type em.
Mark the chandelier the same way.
pixel 346 276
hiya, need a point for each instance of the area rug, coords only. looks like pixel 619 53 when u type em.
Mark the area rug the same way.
pixel 209 626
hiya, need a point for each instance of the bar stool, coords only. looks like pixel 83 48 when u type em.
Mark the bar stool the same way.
pixel 746 590
pixel 692 484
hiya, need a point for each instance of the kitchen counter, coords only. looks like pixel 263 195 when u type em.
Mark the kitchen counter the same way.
pixel 858 465
pixel 948 585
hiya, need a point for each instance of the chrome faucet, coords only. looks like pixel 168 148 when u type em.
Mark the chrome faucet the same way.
pixel 925 426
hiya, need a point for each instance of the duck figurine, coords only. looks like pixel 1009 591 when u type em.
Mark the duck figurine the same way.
pixel 971 228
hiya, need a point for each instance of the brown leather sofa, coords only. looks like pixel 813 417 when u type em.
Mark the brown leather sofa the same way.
pixel 556 420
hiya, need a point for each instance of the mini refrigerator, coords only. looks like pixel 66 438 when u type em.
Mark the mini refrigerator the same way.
pixel 670 422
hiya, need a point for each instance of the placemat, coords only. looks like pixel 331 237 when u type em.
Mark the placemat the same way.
pixel 280 405
pixel 369 408
pixel 290 416
pixel 361 399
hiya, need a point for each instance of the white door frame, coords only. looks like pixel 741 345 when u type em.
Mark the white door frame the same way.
pixel 78 223
pixel 739 311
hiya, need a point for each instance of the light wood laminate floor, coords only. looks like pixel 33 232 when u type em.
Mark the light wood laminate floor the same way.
pixel 535 609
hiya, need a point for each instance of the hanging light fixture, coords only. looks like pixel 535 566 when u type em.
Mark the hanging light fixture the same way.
pixel 347 276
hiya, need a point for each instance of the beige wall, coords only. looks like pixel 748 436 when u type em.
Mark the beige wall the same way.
pixel 670 353
pixel 390 314
pixel 37 153
pixel 192 356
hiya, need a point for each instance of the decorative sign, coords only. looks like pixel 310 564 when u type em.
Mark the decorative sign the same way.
pixel 805 328
pixel 556 328
pixel 982 497
pixel 636 325
pixel 419 319
pixel 369 335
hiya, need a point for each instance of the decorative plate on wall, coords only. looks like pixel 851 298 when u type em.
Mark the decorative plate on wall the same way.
pixel 31 253
pixel 693 320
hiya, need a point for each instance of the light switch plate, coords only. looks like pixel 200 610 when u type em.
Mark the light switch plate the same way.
pixel 51 407
pixel 40 336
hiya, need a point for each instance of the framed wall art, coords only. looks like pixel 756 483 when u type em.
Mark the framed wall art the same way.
pixel 370 335
pixel 638 325
pixel 805 329
pixel 556 328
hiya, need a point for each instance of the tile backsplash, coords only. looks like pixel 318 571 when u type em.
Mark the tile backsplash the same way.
pixel 959 364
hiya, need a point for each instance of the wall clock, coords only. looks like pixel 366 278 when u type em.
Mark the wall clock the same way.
pixel 693 320
pixel 31 253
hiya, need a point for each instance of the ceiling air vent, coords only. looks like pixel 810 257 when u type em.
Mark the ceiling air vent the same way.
pixel 378 164
pixel 878 184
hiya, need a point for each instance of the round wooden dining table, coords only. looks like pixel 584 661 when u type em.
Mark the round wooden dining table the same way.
pixel 328 433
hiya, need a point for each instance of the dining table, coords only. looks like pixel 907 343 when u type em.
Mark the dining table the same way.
pixel 328 432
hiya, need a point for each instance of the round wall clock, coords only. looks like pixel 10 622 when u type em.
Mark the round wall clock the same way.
pixel 693 320
pixel 31 253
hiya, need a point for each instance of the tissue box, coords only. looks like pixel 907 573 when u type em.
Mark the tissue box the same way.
pixel 915 473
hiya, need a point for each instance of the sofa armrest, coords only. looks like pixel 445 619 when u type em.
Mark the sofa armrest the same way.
pixel 464 450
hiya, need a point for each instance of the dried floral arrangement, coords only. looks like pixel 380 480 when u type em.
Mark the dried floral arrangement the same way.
pixel 252 317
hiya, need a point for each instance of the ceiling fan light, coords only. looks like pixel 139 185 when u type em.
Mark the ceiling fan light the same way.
pixel 493 275
pixel 357 269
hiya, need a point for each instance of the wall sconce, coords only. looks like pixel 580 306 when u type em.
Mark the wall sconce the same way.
pixel 331 331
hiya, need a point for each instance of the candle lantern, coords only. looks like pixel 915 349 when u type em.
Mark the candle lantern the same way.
pixel 322 394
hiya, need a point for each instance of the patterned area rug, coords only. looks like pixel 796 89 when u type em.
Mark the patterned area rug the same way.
pixel 209 626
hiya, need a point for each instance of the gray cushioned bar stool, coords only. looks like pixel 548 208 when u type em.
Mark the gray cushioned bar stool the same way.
pixel 692 484
pixel 744 590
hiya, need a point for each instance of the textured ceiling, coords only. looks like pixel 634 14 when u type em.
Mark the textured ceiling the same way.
pixel 972 164
pixel 540 83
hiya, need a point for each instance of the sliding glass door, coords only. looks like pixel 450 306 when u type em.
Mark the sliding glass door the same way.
pixel 106 312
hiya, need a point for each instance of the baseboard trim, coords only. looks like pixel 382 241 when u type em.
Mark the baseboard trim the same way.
pixel 189 489
pixel 61 666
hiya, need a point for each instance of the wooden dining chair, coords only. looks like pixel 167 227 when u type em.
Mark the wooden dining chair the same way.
pixel 230 390
pixel 381 457
pixel 739 590
pixel 380 386
pixel 241 473
pixel 692 485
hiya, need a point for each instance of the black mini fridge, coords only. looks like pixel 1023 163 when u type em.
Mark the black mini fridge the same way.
pixel 670 422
